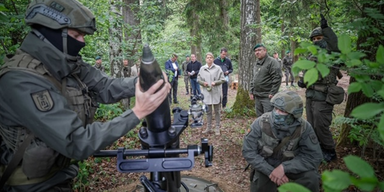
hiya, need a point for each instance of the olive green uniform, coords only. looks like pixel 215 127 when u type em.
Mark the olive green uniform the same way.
pixel 266 81
pixel 186 77
pixel 34 103
pixel 319 112
pixel 302 168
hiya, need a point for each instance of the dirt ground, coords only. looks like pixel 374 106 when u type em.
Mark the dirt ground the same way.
pixel 228 164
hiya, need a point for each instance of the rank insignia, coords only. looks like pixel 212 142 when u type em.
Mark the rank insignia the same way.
pixel 43 100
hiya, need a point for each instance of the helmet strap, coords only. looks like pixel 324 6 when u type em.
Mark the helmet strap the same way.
pixel 64 34
pixel 40 36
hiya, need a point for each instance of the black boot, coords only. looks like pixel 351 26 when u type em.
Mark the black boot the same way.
pixel 329 155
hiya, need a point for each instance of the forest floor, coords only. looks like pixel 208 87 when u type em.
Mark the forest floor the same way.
pixel 228 164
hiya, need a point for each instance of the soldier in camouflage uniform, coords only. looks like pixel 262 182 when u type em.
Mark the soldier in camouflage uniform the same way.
pixel 319 112
pixel 125 72
pixel 47 111
pixel 287 63
pixel 186 76
pixel 282 147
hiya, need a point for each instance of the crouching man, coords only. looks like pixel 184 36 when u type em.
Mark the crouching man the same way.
pixel 282 147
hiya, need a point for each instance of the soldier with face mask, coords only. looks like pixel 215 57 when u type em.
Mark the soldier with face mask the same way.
pixel 319 111
pixel 282 147
pixel 47 111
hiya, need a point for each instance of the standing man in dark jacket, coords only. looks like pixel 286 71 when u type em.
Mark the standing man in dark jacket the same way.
pixel 226 66
pixel 173 71
pixel 287 63
pixel 266 80
pixel 193 69
pixel 281 147
pixel 47 111
pixel 319 112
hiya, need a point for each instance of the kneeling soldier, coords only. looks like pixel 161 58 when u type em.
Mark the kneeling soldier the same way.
pixel 282 147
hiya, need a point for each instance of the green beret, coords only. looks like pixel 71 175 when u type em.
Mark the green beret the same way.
pixel 187 55
pixel 258 45
pixel 287 52
pixel 98 57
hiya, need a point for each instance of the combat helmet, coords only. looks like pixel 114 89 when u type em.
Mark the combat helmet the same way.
pixel 289 102
pixel 59 14
pixel 316 32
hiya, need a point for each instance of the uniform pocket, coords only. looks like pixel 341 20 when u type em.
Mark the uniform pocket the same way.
pixel 76 100
pixel 335 95
pixel 38 159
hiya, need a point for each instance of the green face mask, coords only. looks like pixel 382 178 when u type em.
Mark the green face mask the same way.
pixel 322 43
pixel 279 119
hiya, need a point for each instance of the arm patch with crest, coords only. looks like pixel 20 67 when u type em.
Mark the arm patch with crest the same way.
pixel 313 138
pixel 43 100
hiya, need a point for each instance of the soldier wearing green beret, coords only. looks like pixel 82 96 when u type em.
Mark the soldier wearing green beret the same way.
pixel 99 64
pixel 266 80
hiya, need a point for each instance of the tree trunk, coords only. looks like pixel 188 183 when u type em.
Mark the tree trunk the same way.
pixel 259 37
pixel 282 28
pixel 356 99
pixel 132 32
pixel 294 45
pixel 249 37
pixel 224 13
pixel 115 38
pixel 195 34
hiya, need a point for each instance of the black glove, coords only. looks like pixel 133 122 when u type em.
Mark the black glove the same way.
pixel 301 84
pixel 323 22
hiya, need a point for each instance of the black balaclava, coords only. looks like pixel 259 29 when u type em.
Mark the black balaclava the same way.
pixel 74 46
pixel 54 36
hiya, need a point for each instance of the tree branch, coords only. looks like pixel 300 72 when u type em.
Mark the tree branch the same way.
pixel 4 47
pixel 14 6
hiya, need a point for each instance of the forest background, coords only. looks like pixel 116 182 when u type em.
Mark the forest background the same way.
pixel 199 26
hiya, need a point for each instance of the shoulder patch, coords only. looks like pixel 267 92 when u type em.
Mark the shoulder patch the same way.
pixel 313 138
pixel 43 100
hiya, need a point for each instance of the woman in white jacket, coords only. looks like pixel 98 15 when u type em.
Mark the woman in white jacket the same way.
pixel 210 78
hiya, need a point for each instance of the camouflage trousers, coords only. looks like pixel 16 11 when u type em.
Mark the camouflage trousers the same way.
pixel 188 88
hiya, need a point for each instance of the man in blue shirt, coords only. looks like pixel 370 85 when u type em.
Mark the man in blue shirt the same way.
pixel 173 72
